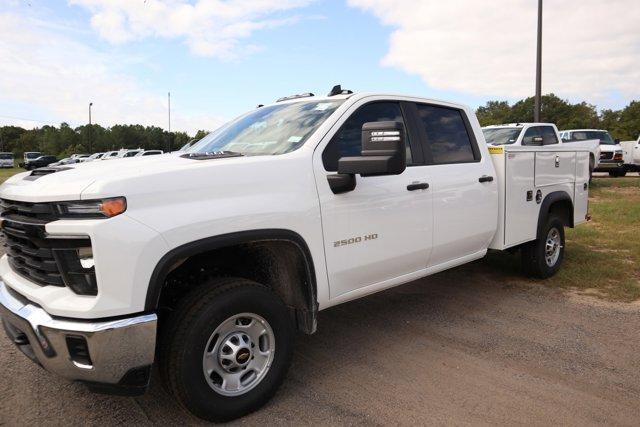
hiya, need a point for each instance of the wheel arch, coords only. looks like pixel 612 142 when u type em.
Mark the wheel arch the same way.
pixel 304 300
pixel 559 203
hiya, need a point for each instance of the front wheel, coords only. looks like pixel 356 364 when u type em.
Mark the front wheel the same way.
pixel 542 257
pixel 226 348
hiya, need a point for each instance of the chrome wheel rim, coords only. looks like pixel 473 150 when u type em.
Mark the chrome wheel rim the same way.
pixel 552 248
pixel 238 354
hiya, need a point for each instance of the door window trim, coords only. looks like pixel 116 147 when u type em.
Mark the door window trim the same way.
pixel 426 147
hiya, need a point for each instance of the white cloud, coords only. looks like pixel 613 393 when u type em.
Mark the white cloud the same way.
pixel 591 48
pixel 213 28
pixel 57 76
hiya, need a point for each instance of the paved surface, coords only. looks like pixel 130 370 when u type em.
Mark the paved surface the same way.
pixel 468 346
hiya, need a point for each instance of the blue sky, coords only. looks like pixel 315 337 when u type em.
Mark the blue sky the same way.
pixel 125 55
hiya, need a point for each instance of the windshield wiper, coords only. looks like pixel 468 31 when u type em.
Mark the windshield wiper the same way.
pixel 211 155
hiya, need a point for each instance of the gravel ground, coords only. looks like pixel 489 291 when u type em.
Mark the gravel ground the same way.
pixel 468 346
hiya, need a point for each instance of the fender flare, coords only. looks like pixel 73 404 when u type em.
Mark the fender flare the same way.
pixel 547 202
pixel 163 268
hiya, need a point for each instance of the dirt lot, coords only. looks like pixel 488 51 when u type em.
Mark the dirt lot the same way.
pixel 469 346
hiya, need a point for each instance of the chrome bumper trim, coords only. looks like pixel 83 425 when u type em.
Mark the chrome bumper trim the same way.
pixel 115 346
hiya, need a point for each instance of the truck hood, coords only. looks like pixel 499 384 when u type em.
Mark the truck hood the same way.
pixel 69 182
pixel 610 148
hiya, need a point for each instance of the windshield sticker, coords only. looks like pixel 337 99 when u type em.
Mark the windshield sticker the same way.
pixel 294 139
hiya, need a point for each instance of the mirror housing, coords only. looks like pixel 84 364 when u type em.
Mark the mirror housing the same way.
pixel 383 151
pixel 617 140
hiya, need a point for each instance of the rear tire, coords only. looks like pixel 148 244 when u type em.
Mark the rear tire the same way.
pixel 226 348
pixel 543 257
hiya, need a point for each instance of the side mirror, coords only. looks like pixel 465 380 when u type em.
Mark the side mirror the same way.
pixel 617 140
pixel 383 151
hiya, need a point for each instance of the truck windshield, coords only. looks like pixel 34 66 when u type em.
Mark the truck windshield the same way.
pixel 33 155
pixel 5 156
pixel 501 136
pixel 276 129
pixel 603 136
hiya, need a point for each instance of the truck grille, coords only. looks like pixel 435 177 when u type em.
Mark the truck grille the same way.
pixel 606 156
pixel 31 254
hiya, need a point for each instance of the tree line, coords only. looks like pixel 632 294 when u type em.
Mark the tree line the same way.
pixel 62 141
pixel 623 124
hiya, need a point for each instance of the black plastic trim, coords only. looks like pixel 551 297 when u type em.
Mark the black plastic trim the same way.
pixel 550 199
pixel 134 383
pixel 163 267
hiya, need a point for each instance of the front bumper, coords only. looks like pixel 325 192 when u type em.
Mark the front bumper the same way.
pixel 607 165
pixel 108 355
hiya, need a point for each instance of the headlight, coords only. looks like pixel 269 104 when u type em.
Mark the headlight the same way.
pixel 102 208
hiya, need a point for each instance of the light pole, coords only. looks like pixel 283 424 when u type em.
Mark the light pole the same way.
pixel 538 102
pixel 169 111
pixel 90 151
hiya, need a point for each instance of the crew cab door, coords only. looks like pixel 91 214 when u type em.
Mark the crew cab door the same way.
pixel 463 185
pixel 380 232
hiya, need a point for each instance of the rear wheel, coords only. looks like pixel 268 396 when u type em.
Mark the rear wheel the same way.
pixel 226 348
pixel 542 257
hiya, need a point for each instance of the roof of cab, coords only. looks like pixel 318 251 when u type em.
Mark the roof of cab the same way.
pixel 517 125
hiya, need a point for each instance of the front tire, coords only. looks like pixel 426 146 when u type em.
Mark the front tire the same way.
pixel 543 257
pixel 226 348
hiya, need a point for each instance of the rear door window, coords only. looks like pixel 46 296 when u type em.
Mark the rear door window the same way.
pixel 447 135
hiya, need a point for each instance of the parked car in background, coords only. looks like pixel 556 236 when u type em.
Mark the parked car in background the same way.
pixel 94 156
pixel 610 150
pixel 536 134
pixel 132 153
pixel 109 155
pixel 40 162
pixel 28 157
pixel 65 161
pixel 631 155
pixel 149 153
pixel 6 160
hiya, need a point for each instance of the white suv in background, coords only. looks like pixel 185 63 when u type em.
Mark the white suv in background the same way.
pixel 610 159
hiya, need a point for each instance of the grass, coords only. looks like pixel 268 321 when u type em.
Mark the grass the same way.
pixel 7 173
pixel 602 257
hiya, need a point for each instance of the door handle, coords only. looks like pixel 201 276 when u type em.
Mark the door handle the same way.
pixel 418 186
pixel 485 178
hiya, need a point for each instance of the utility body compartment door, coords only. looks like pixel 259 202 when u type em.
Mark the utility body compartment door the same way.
pixel 554 167
pixel 581 196
pixel 521 208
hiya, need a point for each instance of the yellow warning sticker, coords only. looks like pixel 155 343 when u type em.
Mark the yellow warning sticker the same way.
pixel 496 150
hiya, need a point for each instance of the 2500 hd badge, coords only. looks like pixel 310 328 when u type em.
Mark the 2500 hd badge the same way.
pixel 354 240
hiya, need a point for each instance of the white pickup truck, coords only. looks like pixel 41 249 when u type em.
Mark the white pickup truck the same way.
pixel 610 160
pixel 536 134
pixel 208 261
pixel 631 155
